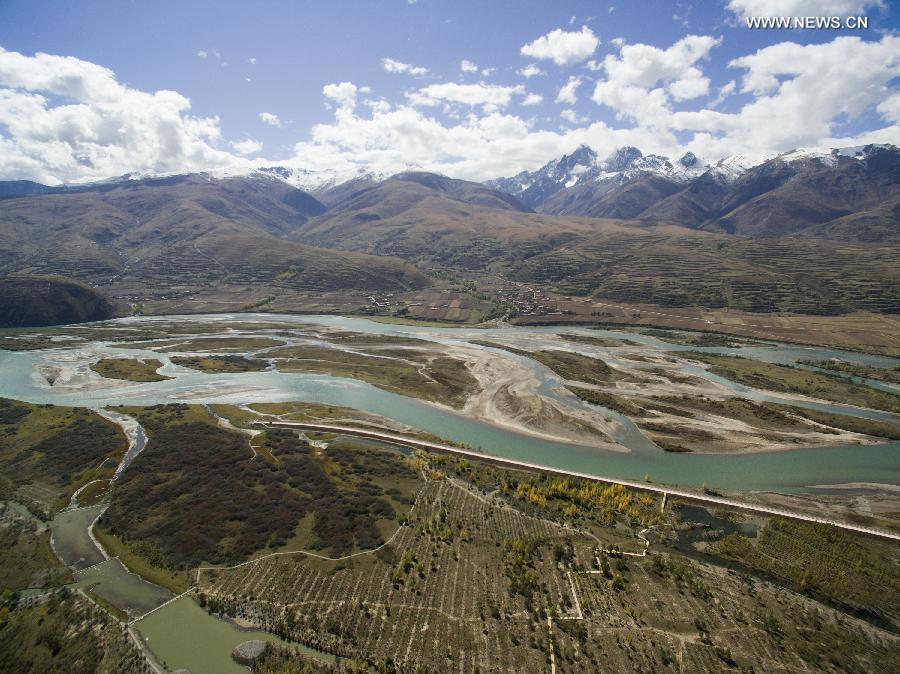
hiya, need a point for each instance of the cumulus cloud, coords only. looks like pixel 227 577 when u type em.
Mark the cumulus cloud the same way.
pixel 270 118
pixel 343 94
pixel 531 70
pixel 468 66
pixel 477 147
pixel 247 147
pixel 572 117
pixel 750 8
pixel 491 95
pixel 202 54
pixel 643 80
pixel 889 109
pixel 68 120
pixel 800 94
pixel 724 92
pixel 563 47
pixel 568 91
pixel 63 119
pixel 394 66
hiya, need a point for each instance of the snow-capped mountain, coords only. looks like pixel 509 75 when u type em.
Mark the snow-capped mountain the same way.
pixel 313 181
pixel 630 184
pixel 584 166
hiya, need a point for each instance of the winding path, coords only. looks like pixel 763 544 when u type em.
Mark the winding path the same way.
pixel 408 441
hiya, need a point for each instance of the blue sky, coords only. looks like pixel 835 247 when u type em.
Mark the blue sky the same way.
pixel 665 76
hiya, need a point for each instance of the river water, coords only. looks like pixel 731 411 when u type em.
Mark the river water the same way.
pixel 794 470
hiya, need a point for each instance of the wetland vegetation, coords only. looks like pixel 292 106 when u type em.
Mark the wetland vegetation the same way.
pixel 416 373
pixel 214 364
pixel 129 369
pixel 782 378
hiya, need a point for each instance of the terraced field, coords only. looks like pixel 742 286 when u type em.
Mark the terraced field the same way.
pixel 713 271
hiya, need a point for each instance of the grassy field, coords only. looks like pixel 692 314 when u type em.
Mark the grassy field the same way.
pixel 47 452
pixel 129 369
pixel 607 342
pixel 215 364
pixel 782 378
pixel 693 339
pixel 207 344
pixel 568 365
pixel 890 375
pixel 881 429
pixel 761 415
pixel 609 400
pixel 414 373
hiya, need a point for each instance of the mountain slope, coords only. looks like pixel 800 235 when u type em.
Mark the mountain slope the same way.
pixel 183 229
pixel 33 301
pixel 787 195
pixel 675 266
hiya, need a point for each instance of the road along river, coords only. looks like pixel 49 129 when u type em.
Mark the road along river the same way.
pixel 694 496
pixel 793 470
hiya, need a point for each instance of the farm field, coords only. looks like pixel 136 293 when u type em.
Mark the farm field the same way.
pixel 497 578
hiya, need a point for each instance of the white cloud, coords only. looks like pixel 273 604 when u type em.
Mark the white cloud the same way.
pixel 252 60
pixel 68 120
pixel 344 94
pixel 889 109
pixel 531 70
pixel 562 47
pixel 270 118
pixel 643 80
pixel 493 95
pixel 568 91
pixel 800 93
pixel 478 147
pixel 572 117
pixel 202 54
pixel 751 8
pixel 468 66
pixel 246 147
pixel 63 119
pixel 394 66
pixel 724 92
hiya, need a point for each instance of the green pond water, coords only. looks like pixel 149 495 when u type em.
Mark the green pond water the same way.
pixel 70 539
pixel 184 636
pixel 121 588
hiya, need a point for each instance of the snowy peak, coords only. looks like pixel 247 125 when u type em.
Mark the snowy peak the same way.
pixel 622 159
pixel 584 166
pixel 314 181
